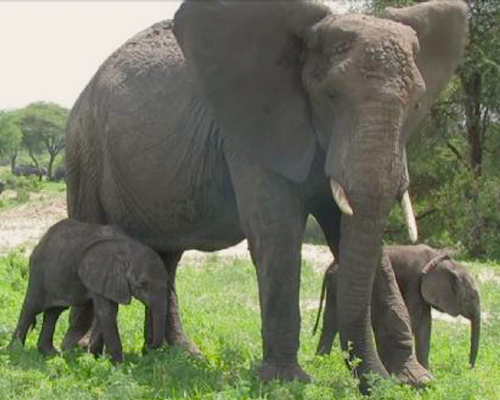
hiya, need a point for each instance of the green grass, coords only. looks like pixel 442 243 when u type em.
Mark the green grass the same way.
pixel 220 313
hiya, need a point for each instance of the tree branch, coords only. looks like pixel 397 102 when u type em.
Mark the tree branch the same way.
pixel 455 151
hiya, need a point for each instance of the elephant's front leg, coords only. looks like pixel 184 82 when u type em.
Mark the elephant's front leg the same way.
pixel 273 221
pixel 391 326
pixel 106 313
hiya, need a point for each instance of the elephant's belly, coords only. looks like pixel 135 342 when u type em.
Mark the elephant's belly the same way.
pixel 165 231
pixel 175 202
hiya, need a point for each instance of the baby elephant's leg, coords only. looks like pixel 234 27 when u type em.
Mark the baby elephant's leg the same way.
pixel 391 326
pixel 46 338
pixel 106 311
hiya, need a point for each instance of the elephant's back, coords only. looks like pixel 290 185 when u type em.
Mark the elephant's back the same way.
pixel 129 79
pixel 125 93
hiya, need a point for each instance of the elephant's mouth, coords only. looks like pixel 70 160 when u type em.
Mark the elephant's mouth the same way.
pixel 340 197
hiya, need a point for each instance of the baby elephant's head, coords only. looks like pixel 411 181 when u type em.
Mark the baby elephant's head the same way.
pixel 448 287
pixel 117 268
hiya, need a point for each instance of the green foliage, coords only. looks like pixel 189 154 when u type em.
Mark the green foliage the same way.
pixel 43 127
pixel 10 133
pixel 219 301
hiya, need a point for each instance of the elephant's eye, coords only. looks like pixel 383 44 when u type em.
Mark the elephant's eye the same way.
pixel 143 282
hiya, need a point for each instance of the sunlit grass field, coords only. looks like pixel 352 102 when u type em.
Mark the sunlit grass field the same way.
pixel 220 313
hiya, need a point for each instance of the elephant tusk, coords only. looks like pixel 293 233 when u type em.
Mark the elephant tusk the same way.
pixel 410 220
pixel 340 197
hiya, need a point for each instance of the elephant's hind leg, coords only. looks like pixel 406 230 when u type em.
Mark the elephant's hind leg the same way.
pixel 83 170
pixel 80 324
pixel 174 332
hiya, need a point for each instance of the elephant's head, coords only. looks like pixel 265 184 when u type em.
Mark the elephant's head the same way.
pixel 118 268
pixel 288 80
pixel 448 287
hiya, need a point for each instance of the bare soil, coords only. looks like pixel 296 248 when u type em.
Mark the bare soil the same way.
pixel 25 224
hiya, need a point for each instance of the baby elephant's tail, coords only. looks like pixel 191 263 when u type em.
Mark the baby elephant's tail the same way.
pixel 27 321
pixel 321 301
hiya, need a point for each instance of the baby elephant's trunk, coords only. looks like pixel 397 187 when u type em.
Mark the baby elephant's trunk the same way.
pixel 159 319
pixel 474 338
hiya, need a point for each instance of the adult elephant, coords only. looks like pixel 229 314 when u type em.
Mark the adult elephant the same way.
pixel 238 120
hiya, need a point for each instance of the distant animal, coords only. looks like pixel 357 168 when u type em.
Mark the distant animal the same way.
pixel 76 263
pixel 2 187
pixel 29 170
pixel 60 173
pixel 427 278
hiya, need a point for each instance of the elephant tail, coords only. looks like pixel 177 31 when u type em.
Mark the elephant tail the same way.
pixel 321 301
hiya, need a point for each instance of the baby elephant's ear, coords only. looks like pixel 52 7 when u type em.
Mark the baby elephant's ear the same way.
pixel 103 270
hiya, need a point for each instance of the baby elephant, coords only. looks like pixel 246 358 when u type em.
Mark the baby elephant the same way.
pixel 426 278
pixel 75 263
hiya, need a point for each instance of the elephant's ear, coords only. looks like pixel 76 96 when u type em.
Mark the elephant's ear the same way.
pixel 440 287
pixel 246 57
pixel 442 28
pixel 103 269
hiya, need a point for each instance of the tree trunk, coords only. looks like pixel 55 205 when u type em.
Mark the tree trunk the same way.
pixel 475 116
pixel 13 162
pixel 49 167
pixel 472 85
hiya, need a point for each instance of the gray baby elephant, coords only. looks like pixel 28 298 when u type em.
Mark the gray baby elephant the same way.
pixel 426 278
pixel 76 263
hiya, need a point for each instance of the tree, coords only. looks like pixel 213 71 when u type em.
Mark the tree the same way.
pixel 42 125
pixel 10 136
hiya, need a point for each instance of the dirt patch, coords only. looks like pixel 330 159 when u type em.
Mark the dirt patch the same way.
pixel 318 256
pixel 26 223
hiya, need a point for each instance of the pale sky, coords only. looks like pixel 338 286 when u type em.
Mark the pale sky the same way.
pixel 49 50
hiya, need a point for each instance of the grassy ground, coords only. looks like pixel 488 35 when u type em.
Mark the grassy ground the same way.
pixel 220 309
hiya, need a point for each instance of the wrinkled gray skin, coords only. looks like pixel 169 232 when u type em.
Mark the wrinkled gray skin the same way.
pixel 229 123
pixel 426 278
pixel 77 263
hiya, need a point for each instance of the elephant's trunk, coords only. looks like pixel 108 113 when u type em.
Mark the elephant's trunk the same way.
pixel 371 175
pixel 360 248
pixel 474 337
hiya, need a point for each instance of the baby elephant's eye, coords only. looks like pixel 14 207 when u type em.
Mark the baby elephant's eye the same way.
pixel 143 281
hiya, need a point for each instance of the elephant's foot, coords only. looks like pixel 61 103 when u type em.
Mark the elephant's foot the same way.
pixel 76 339
pixel 184 343
pixel 80 327
pixel 48 350
pixel 413 374
pixel 177 338
pixel 269 371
